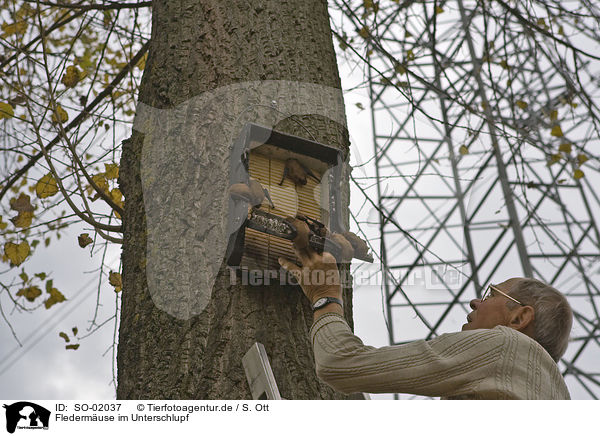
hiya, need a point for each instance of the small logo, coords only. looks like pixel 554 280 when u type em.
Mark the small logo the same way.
pixel 26 415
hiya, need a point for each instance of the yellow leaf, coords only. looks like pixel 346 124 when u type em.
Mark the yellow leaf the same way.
pixel 55 297
pixel 561 31
pixel 578 174
pixel 556 131
pixel 46 186
pixel 101 182
pixel 20 27
pixel 410 55
pixel 6 110
pixel 84 240
pixel 3 225
pixel 541 22
pixel 16 253
pixel 399 68
pixel 114 279
pixel 30 293
pixel 72 76
pixel 142 62
pixel 111 171
pixel 463 150
pixel 22 220
pixel 553 115
pixel 60 115
pixel 565 147
pixel 504 64
pixel 117 196
pixel 581 159
pixel 439 10
pixel 364 32
pixel 554 159
pixel 522 104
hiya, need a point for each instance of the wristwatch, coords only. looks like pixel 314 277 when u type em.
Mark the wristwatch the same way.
pixel 322 302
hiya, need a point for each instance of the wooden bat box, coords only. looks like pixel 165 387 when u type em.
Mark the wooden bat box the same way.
pixel 261 153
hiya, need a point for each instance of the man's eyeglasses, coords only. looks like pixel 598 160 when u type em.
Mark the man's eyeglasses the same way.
pixel 491 288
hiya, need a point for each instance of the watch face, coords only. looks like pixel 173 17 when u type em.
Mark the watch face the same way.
pixel 319 302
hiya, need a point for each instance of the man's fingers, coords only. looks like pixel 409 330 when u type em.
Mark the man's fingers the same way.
pixel 301 242
pixel 291 267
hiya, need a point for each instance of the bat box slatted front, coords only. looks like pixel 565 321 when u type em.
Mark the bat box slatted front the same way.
pixel 265 154
pixel 261 250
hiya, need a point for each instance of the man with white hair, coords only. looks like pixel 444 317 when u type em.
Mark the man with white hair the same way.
pixel 508 348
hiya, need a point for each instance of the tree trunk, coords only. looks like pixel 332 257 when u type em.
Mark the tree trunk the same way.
pixel 213 66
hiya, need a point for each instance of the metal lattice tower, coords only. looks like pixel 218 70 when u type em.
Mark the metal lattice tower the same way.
pixel 485 127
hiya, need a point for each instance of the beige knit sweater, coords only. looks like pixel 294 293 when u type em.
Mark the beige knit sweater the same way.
pixel 500 363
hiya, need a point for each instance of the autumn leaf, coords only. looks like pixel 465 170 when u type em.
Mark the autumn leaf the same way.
pixel 60 115
pixel 72 346
pixel 46 186
pixel 6 110
pixel 16 253
pixel 439 10
pixel 102 183
pixel 64 336
pixel 84 240
pixel 72 76
pixel 117 198
pixel 554 158
pixel 553 115
pixel 41 275
pixel 364 32
pixel 30 293
pixel 19 27
pixel 556 131
pixel 22 220
pixel 111 171
pixel 463 150
pixel 75 330
pixel 21 203
pixel 565 147
pixel 360 106
pixel 3 225
pixel 142 62
pixel 581 159
pixel 114 279
pixel 578 174
pixel 522 104
pixel 55 297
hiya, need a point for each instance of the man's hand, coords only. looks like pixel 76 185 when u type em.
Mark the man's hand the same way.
pixel 318 277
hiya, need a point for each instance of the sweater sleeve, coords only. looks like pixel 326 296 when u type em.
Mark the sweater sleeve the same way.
pixel 450 365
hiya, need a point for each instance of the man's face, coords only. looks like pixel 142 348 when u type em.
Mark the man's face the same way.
pixel 491 312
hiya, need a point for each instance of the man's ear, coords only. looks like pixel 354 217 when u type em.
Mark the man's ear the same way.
pixel 522 318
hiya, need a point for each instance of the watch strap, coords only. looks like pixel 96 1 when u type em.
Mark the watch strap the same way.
pixel 322 302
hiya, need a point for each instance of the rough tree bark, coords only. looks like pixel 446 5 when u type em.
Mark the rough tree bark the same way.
pixel 200 47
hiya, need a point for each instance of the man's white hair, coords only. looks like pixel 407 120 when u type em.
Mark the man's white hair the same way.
pixel 553 314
